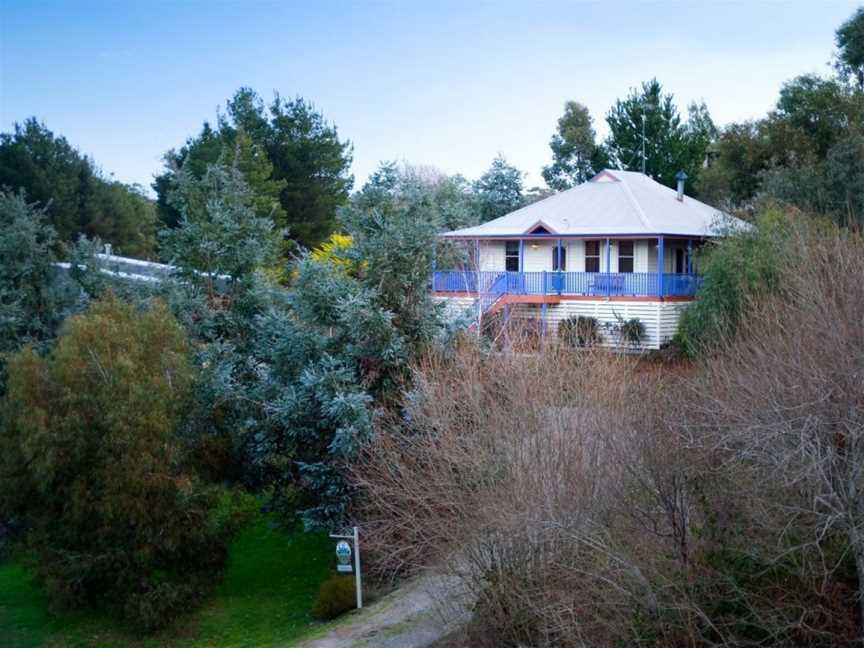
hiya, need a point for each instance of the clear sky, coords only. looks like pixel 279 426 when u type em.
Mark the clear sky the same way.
pixel 448 84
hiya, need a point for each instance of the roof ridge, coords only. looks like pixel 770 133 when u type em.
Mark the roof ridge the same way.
pixel 641 214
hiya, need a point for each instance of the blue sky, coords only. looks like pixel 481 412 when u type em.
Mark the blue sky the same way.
pixel 448 84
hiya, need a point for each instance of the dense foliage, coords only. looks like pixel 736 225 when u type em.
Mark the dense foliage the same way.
pixel 92 465
pixel 580 508
pixel 579 331
pixel 808 152
pixel 499 190
pixel 28 304
pixel 220 236
pixel 393 188
pixel 77 198
pixel 850 43
pixel 293 160
pixel 671 145
pixel 342 349
pixel 291 380
pixel 735 269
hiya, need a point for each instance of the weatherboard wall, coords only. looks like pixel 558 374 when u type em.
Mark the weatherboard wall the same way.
pixel 659 318
pixel 537 255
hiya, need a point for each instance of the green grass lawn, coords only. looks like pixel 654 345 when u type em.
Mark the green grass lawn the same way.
pixel 264 599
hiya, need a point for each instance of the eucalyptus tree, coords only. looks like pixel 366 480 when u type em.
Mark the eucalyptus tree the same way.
pixel 576 156
pixel 850 45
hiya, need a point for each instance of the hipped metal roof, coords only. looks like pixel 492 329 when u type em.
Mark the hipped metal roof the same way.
pixel 611 203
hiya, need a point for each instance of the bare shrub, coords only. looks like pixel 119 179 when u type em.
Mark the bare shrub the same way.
pixel 514 472
pixel 784 405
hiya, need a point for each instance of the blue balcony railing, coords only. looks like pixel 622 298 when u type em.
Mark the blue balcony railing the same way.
pixel 599 284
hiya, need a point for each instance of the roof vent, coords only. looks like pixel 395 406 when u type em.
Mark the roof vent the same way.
pixel 681 177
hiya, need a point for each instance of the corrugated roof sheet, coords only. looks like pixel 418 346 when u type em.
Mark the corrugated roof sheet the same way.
pixel 612 202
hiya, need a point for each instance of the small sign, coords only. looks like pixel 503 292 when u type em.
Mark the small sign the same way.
pixel 343 556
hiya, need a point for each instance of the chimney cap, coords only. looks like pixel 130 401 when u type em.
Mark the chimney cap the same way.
pixel 680 176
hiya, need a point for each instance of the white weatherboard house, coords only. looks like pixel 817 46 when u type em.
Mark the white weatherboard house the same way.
pixel 617 247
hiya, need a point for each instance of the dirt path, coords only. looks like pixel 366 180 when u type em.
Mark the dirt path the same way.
pixel 410 617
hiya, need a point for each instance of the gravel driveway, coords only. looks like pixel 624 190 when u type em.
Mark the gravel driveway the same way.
pixel 416 615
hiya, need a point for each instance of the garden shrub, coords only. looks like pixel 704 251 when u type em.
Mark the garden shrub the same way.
pixel 742 264
pixel 91 462
pixel 336 596
pixel 579 331
pixel 632 332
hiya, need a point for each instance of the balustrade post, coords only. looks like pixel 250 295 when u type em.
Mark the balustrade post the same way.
pixel 478 277
pixel 521 278
pixel 690 256
pixel 608 268
pixel 560 268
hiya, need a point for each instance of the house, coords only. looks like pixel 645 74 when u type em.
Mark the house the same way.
pixel 618 247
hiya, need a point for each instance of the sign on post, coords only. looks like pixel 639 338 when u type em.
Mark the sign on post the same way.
pixel 344 552
pixel 343 556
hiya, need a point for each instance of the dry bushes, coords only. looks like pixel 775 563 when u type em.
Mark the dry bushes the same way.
pixel 581 501
pixel 525 477
pixel 785 404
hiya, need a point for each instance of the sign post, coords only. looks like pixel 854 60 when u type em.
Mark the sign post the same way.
pixel 343 557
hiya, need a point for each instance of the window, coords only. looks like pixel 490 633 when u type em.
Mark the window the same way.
pixel 625 256
pixel 592 256
pixel 511 256
pixel 556 266
pixel 680 260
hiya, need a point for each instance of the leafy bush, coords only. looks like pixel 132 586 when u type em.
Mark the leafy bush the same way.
pixel 91 462
pixel 742 264
pixel 336 596
pixel 579 331
pixel 335 250
pixel 220 238
pixel 31 305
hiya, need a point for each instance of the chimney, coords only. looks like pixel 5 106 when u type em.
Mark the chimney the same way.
pixel 681 177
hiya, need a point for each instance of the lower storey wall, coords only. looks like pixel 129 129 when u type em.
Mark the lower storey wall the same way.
pixel 660 319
